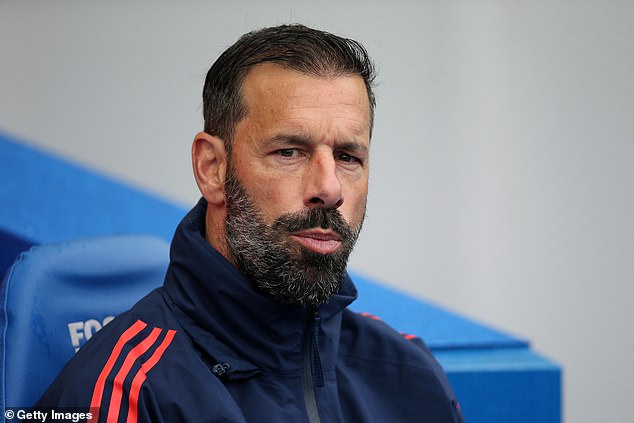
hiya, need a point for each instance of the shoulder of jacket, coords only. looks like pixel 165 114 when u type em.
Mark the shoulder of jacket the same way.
pixel 366 339
pixel 373 325
pixel 122 347
pixel 150 370
pixel 365 334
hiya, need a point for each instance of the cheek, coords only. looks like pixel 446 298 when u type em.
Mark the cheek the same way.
pixel 273 199
pixel 354 210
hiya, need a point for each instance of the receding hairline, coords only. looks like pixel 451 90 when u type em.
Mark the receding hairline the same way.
pixel 326 75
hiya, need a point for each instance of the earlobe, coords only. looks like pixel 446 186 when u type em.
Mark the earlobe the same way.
pixel 209 160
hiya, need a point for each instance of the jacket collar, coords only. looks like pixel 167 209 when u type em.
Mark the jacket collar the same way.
pixel 229 319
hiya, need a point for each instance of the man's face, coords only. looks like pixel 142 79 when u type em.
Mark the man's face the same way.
pixel 297 181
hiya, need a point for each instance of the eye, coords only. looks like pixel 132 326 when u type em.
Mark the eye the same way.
pixel 288 152
pixel 347 158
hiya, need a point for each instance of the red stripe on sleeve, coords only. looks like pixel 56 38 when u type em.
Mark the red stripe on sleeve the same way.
pixel 133 355
pixel 371 316
pixel 97 393
pixel 140 377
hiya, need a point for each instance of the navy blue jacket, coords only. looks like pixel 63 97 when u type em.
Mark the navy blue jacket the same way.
pixel 208 347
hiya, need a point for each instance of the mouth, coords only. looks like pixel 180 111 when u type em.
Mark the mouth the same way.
pixel 318 241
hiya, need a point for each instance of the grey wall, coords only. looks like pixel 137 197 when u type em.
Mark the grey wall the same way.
pixel 502 179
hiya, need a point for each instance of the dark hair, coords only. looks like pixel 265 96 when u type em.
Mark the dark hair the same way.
pixel 297 47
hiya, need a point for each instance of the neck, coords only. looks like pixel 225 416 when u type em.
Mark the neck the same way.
pixel 215 230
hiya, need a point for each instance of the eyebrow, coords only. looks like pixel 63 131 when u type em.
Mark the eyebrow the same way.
pixel 306 141
pixel 353 147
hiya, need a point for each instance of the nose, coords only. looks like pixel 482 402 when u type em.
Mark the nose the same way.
pixel 322 185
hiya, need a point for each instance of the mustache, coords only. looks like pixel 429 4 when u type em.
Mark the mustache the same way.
pixel 315 218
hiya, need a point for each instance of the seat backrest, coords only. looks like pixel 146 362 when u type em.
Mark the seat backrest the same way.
pixel 56 296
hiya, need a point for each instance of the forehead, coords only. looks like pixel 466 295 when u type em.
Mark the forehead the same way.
pixel 275 92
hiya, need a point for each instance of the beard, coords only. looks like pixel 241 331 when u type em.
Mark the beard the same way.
pixel 283 270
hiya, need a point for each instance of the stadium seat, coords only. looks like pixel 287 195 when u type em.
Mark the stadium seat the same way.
pixel 56 296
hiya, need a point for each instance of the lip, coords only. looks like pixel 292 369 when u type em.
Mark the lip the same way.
pixel 321 242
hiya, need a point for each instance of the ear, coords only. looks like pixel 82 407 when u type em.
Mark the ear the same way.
pixel 209 160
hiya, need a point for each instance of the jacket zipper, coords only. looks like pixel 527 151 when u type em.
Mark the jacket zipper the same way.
pixel 312 375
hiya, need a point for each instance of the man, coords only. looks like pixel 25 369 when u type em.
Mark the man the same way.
pixel 251 323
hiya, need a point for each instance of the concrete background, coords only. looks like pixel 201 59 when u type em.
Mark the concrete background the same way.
pixel 502 185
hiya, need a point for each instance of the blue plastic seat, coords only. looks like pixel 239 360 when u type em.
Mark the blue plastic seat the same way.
pixel 56 296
